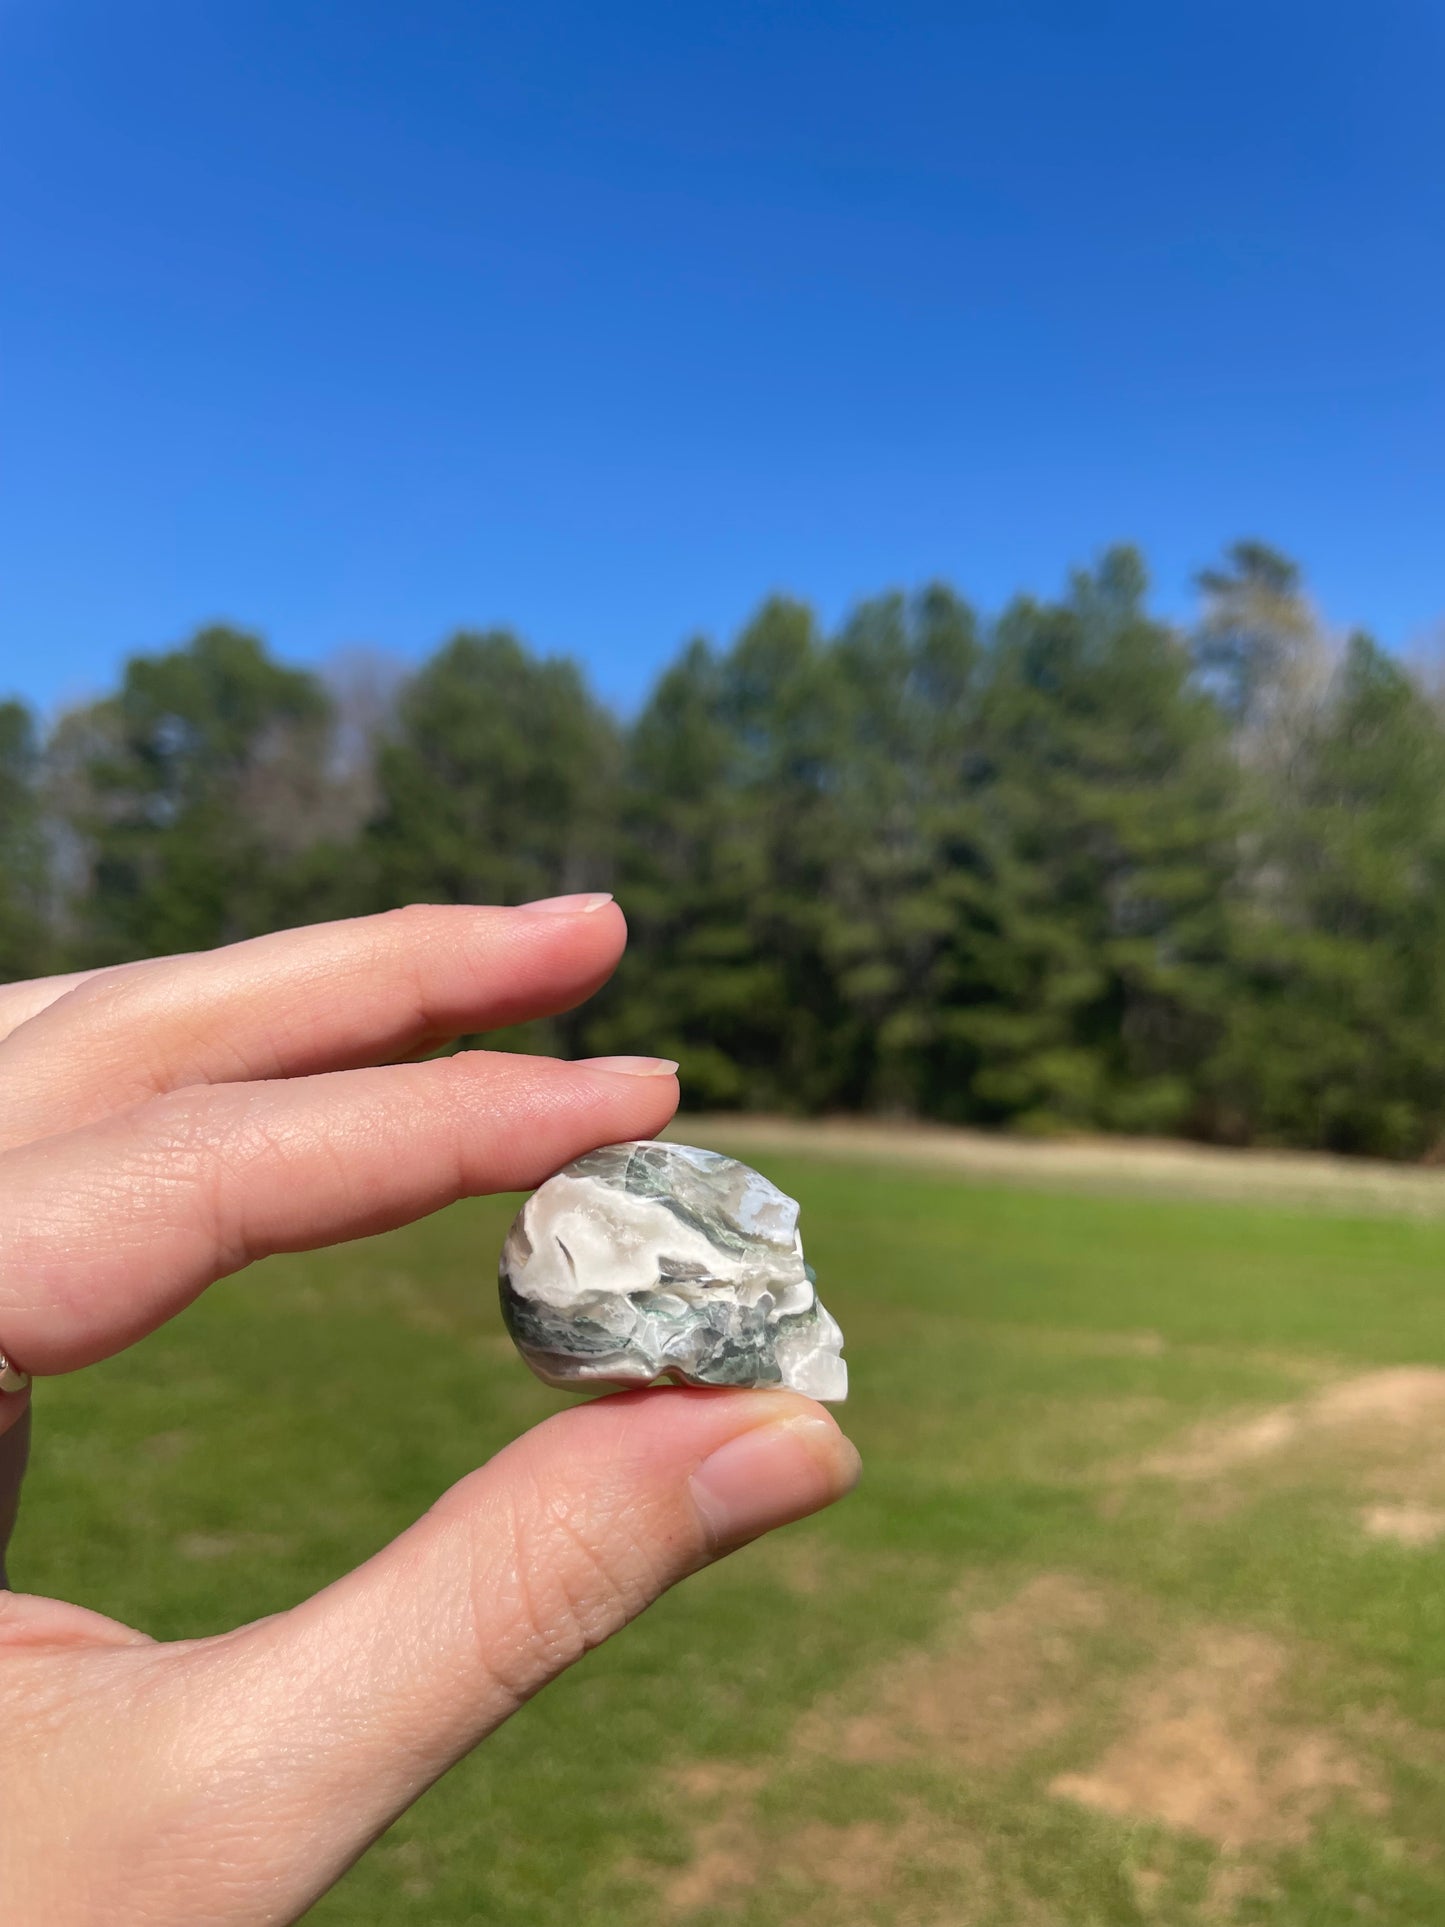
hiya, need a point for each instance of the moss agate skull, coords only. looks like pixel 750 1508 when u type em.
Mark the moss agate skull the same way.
pixel 647 1261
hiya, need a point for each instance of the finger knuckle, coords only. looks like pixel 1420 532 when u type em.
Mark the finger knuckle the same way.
pixel 201 1146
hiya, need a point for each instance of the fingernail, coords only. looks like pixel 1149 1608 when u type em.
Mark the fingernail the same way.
pixel 772 1475
pixel 630 1066
pixel 569 906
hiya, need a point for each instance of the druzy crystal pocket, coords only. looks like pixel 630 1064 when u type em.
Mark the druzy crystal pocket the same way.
pixel 646 1261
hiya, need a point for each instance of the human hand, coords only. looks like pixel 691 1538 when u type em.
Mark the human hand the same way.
pixel 167 1123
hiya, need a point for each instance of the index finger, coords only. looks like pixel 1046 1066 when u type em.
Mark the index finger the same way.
pixel 331 996
pixel 110 1230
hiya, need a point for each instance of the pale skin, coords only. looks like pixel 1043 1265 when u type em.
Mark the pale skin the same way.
pixel 164 1125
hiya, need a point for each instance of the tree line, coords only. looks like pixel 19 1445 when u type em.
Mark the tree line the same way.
pixel 1076 868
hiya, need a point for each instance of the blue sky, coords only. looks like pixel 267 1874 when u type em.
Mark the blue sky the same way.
pixel 354 322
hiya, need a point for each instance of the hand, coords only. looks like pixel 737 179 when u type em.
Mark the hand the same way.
pixel 164 1125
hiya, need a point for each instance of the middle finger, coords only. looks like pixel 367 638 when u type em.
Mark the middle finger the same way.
pixel 327 997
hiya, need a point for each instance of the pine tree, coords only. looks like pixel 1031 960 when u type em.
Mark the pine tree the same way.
pixel 732 834
pixel 192 797
pixel 909 880
pixel 495 780
pixel 1094 976
pixel 25 944
pixel 1337 1032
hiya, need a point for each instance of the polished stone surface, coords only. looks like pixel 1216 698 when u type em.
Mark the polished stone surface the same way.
pixel 646 1261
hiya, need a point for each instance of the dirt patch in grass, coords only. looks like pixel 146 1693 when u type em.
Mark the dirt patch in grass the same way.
pixel 803 1565
pixel 1002 1682
pixel 718 1779
pixel 1208 1748
pixel 830 1874
pixel 1408 1524
pixel 1400 1403
pixel 1409 1395
pixel 1205 1743
pixel 721 1867
pixel 1381 1432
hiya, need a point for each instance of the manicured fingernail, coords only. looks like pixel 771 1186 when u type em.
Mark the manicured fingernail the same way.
pixel 771 1476
pixel 630 1066
pixel 569 906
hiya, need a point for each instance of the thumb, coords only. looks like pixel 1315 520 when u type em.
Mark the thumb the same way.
pixel 331 1718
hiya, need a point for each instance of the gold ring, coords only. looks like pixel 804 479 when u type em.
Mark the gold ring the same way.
pixel 12 1379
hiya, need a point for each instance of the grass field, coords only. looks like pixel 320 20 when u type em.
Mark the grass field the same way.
pixel 1139 1614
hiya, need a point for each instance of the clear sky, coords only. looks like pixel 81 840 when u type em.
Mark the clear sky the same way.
pixel 354 321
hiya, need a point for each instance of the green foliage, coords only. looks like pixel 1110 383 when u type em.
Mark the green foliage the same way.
pixel 192 796
pixel 909 871
pixel 495 780
pixel 1075 869
pixel 910 878
pixel 731 833
pixel 1257 631
pixel 1337 1037
pixel 1109 809
pixel 25 944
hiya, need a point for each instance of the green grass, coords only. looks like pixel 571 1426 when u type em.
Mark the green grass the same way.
pixel 1017 1357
